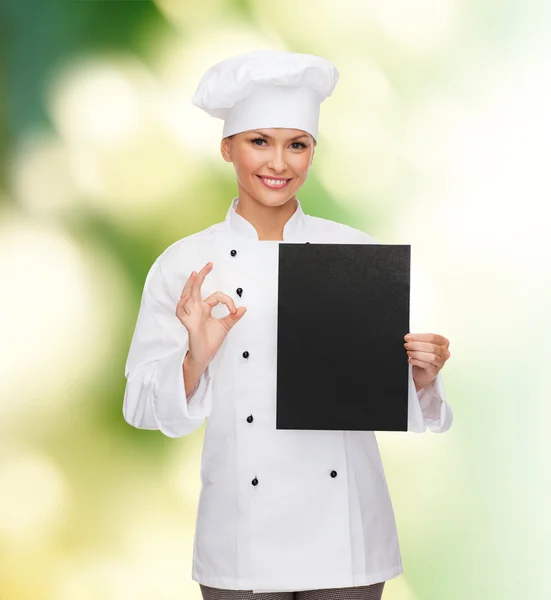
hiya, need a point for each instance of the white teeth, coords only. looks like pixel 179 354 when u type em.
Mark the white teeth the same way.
pixel 274 181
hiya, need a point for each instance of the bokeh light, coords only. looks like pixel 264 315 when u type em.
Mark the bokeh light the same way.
pixel 437 135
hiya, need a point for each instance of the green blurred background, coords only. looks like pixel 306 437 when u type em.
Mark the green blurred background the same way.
pixel 437 135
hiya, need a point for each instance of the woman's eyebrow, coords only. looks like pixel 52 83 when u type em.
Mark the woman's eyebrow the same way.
pixel 271 138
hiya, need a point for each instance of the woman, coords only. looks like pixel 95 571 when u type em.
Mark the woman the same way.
pixel 285 514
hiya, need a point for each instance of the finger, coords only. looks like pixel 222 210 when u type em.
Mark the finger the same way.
pixel 230 320
pixel 432 338
pixel 441 351
pixel 217 297
pixel 196 288
pixel 188 285
pixel 426 347
pixel 427 357
pixel 423 365
pixel 183 305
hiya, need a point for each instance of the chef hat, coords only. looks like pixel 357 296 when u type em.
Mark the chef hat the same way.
pixel 267 88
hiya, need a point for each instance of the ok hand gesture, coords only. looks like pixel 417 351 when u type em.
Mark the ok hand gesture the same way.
pixel 206 333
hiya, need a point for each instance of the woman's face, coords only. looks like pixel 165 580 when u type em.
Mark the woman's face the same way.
pixel 270 164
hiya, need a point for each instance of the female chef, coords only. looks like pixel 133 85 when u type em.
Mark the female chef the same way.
pixel 285 514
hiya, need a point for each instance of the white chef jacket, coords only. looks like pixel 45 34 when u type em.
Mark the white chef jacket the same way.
pixel 270 515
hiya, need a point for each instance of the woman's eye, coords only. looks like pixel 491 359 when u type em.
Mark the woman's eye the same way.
pixel 295 145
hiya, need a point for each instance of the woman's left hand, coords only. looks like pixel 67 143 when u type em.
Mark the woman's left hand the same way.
pixel 427 352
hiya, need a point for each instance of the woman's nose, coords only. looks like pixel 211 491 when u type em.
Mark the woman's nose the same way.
pixel 277 162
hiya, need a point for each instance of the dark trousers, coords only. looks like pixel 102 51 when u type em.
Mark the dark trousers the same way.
pixel 362 592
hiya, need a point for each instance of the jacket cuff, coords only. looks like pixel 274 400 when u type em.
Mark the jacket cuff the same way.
pixel 428 406
pixel 173 415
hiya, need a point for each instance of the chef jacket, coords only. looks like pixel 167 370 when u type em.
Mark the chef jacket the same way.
pixel 279 510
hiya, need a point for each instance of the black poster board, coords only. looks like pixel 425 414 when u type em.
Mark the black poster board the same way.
pixel 343 312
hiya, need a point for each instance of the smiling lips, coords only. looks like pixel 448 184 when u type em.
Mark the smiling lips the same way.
pixel 274 184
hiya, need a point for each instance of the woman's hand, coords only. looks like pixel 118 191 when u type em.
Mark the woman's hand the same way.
pixel 206 333
pixel 427 352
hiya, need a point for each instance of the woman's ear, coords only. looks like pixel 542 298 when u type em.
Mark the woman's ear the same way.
pixel 225 149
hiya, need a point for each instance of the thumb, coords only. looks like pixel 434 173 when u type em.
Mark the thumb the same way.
pixel 230 320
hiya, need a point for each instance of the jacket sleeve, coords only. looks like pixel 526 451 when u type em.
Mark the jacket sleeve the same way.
pixel 155 396
pixel 428 407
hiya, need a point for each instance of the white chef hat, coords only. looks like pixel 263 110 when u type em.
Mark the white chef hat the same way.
pixel 267 88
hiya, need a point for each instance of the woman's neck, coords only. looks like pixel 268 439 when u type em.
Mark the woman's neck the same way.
pixel 268 221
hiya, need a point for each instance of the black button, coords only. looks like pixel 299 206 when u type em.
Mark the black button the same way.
pixel 245 354
pixel 333 473
pixel 254 481
pixel 250 419
pixel 306 242
pixel 233 252
pixel 239 291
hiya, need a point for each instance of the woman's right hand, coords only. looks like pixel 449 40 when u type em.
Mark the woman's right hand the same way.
pixel 206 333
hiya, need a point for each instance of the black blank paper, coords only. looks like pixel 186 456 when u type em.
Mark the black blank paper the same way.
pixel 343 312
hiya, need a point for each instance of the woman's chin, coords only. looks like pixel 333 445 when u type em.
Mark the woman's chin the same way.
pixel 275 196
pixel 270 200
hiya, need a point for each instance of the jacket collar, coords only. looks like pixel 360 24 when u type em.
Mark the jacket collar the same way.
pixel 238 224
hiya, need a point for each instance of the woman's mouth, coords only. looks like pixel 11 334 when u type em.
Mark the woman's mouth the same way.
pixel 274 184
